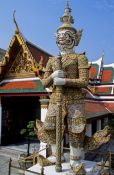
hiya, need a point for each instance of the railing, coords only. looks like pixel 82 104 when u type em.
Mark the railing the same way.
pixel 24 159
pixel 104 164
pixel 10 166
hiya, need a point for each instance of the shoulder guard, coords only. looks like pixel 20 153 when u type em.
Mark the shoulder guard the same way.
pixel 83 62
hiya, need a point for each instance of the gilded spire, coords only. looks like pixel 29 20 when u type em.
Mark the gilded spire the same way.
pixel 14 20
pixel 67 19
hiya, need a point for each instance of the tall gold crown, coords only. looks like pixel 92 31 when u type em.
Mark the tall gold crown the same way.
pixel 67 21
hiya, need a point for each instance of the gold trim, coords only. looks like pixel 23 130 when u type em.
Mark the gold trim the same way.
pixel 92 88
pixel 27 55
pixel 74 158
pixel 44 106
pixel 79 169
pixel 20 75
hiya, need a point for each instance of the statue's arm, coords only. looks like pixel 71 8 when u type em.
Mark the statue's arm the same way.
pixel 48 80
pixel 83 69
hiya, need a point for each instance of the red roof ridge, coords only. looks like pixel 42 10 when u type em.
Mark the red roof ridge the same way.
pixel 37 47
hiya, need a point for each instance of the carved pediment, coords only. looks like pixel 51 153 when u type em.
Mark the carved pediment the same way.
pixel 20 65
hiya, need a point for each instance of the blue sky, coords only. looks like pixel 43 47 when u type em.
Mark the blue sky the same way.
pixel 39 19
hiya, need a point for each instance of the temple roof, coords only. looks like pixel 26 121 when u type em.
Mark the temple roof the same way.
pixel 2 52
pixel 95 69
pixel 97 108
pixel 101 73
pixel 20 58
pixel 108 74
pixel 101 78
pixel 22 86
pixel 37 52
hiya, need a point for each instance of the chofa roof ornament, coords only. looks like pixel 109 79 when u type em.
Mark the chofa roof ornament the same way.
pixel 14 20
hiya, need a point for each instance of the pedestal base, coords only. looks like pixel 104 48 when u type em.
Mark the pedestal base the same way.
pixel 90 168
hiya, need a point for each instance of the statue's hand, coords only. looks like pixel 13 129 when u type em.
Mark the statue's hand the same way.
pixel 59 81
pixel 57 73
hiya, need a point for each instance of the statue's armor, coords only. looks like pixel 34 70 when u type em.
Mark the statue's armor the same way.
pixel 75 67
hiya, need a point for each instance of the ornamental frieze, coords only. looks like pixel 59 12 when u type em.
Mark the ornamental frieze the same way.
pixel 20 65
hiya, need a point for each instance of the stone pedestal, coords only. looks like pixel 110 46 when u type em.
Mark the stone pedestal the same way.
pixel 90 167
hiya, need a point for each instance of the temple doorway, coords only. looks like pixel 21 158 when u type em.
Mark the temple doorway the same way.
pixel 16 112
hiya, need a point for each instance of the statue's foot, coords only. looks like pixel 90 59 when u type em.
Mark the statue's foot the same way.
pixel 42 161
pixel 53 159
pixel 74 163
pixel 78 168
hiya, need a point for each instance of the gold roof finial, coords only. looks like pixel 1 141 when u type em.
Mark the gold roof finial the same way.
pixel 14 20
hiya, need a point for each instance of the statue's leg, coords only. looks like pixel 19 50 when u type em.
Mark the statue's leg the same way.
pixel 49 126
pixel 52 158
pixel 76 154
pixel 76 128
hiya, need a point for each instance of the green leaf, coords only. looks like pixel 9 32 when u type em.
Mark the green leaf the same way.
pixel 23 131
pixel 29 129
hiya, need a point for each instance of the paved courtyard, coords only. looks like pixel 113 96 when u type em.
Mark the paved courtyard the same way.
pixel 13 152
pixel 4 166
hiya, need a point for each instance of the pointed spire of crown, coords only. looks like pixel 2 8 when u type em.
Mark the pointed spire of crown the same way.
pixel 67 19
pixel 67 16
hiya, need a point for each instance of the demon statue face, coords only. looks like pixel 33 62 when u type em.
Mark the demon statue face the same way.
pixel 66 40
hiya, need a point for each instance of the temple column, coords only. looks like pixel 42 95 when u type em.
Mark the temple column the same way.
pixel 44 107
pixel 98 125
pixel 0 121
pixel 89 129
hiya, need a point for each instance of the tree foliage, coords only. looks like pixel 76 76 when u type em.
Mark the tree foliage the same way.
pixel 29 131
